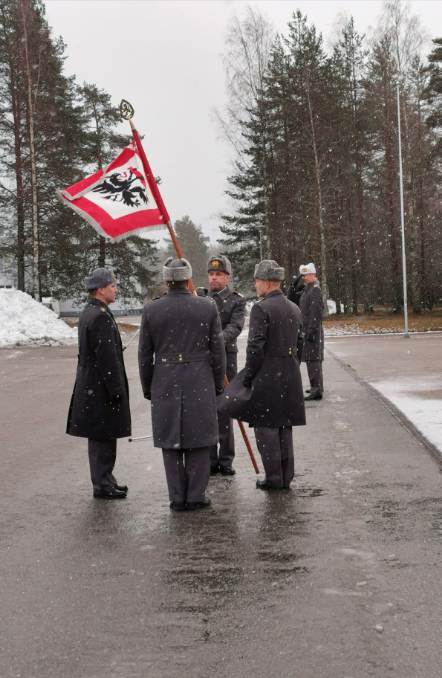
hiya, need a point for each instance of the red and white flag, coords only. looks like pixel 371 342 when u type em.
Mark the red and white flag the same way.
pixel 120 199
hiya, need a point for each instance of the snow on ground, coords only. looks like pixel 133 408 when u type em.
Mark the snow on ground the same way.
pixel 420 401
pixel 350 329
pixel 25 321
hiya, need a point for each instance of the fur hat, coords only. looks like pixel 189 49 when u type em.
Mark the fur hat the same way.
pixel 268 269
pixel 305 269
pixel 219 263
pixel 101 277
pixel 175 270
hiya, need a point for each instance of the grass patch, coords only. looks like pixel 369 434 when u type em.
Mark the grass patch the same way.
pixel 381 321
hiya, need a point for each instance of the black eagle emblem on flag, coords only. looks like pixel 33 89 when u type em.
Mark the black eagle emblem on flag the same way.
pixel 127 187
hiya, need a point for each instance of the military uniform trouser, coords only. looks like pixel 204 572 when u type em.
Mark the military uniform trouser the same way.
pixel 187 473
pixel 275 446
pixel 314 370
pixel 102 457
pixel 224 453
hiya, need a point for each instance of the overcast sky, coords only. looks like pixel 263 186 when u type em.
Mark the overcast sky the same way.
pixel 165 58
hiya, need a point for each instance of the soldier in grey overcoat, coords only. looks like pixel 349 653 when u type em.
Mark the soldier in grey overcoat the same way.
pixel 182 366
pixel 312 309
pixel 99 408
pixel 231 307
pixel 267 393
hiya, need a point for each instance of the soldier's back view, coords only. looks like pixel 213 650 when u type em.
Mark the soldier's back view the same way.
pixel 182 366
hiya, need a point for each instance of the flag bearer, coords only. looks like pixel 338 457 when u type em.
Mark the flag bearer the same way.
pixel 231 307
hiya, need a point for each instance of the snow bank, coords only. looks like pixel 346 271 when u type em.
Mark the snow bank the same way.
pixel 25 321
pixel 420 400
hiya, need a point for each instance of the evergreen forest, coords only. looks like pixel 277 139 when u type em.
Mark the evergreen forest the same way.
pixel 53 131
pixel 316 158
pixel 314 132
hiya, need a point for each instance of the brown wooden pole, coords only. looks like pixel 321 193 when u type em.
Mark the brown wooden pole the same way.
pixel 245 438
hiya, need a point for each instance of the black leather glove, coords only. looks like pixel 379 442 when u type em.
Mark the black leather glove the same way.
pixel 147 396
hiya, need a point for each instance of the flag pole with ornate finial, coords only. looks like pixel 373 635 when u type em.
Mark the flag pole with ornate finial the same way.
pixel 127 112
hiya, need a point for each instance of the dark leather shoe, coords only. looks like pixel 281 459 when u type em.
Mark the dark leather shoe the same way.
pixel 227 471
pixel 214 470
pixel 196 505
pixel 265 485
pixel 122 488
pixel 314 395
pixel 111 493
pixel 177 506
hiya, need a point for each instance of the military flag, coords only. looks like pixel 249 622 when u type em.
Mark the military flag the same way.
pixel 120 199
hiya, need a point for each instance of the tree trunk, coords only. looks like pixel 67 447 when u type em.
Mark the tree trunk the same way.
pixel 324 284
pixel 102 252
pixel 18 167
pixel 30 123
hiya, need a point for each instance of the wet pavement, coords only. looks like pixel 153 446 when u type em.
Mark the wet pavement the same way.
pixel 339 577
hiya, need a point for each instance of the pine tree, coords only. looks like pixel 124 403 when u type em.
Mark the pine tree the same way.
pixel 194 245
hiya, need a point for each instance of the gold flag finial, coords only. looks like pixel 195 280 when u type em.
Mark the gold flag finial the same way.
pixel 127 111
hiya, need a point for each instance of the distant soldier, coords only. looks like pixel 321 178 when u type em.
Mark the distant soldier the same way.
pixel 267 393
pixel 231 307
pixel 182 366
pixel 99 408
pixel 312 309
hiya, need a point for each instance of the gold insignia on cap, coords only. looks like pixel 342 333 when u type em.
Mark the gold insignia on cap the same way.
pixel 215 263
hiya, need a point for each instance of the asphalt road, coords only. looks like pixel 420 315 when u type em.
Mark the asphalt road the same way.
pixel 338 578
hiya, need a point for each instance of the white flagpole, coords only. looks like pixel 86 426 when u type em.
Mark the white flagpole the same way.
pixel 401 191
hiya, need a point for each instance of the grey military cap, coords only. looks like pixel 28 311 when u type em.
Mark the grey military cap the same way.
pixel 268 269
pixel 175 270
pixel 101 277
pixel 221 263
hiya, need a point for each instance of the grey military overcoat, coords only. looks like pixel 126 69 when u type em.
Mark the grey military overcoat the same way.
pixel 182 366
pixel 99 406
pixel 231 308
pixel 312 309
pixel 274 396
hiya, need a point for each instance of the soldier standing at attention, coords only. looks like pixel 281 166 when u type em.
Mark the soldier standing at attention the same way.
pixel 182 365
pixel 312 309
pixel 231 307
pixel 99 408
